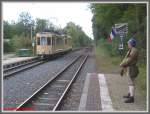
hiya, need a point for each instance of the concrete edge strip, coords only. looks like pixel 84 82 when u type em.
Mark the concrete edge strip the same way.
pixel 106 102
pixel 82 105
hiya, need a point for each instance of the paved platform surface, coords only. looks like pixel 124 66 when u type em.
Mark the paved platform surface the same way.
pixel 104 92
pixel 15 59
pixel 7 56
pixel 118 87
pixel 93 97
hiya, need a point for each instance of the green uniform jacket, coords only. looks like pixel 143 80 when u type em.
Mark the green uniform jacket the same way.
pixel 130 61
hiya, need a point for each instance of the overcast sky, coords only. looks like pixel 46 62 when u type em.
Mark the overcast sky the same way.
pixel 58 13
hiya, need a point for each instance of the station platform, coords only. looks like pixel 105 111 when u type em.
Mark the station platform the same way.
pixel 104 93
pixel 15 59
pixel 95 96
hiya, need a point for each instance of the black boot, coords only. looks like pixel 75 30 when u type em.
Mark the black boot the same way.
pixel 129 100
pixel 127 96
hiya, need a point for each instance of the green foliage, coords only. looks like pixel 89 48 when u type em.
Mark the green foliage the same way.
pixel 20 32
pixel 106 15
pixel 25 22
pixel 111 49
pixel 7 47
pixel 42 24
pixel 141 79
pixel 19 42
pixel 8 30
pixel 79 38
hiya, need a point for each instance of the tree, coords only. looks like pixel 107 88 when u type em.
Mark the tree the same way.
pixel 7 30
pixel 25 23
pixel 78 36
pixel 106 15
pixel 41 24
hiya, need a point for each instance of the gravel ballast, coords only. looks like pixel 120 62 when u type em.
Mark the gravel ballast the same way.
pixel 72 100
pixel 19 87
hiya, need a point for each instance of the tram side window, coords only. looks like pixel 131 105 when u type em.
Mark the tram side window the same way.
pixel 43 41
pixel 38 40
pixel 49 41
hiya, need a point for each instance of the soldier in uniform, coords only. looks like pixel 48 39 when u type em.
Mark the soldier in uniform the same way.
pixel 129 66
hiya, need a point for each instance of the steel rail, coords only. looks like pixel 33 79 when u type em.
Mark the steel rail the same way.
pixel 5 75
pixel 17 63
pixel 11 68
pixel 48 82
pixel 69 85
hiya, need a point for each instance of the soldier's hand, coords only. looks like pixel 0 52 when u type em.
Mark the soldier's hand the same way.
pixel 121 72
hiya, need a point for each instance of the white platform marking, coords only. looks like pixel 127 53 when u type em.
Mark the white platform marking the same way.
pixel 106 103
pixel 44 104
pixel 82 105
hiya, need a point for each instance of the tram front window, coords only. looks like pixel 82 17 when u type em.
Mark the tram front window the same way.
pixel 43 41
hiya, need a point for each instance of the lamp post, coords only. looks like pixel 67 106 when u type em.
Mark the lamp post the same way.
pixel 32 40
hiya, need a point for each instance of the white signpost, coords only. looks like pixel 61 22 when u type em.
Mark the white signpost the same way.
pixel 121 30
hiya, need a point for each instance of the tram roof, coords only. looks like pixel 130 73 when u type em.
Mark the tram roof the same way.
pixel 54 33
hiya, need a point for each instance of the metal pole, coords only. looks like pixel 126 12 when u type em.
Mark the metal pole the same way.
pixel 31 33
pixel 122 29
pixel 32 41
pixel 121 37
pixel 33 46
pixel 122 46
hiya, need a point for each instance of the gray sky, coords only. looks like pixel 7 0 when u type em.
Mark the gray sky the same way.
pixel 58 13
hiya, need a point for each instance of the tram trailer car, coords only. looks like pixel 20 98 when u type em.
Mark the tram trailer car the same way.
pixel 48 43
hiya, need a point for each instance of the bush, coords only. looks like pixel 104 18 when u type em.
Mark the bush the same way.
pixel 7 47
pixel 19 42
pixel 110 48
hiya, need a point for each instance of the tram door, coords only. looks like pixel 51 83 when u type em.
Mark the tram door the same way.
pixel 44 44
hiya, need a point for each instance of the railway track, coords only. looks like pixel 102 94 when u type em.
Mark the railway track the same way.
pixel 10 65
pixel 50 96
pixel 13 68
pixel 21 67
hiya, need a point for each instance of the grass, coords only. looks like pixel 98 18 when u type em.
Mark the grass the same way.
pixel 105 63
pixel 110 64
pixel 141 79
